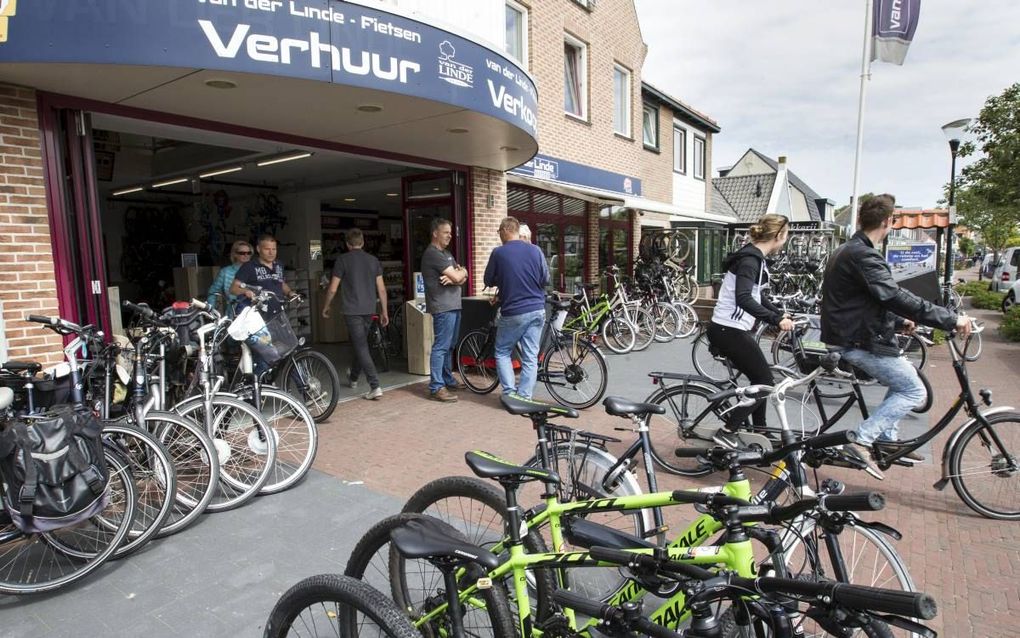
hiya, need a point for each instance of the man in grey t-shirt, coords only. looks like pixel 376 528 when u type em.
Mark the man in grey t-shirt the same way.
pixel 443 278
pixel 361 276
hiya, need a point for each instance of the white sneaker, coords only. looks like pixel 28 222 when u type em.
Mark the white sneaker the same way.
pixel 352 383
pixel 373 394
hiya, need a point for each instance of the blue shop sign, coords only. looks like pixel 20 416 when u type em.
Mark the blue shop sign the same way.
pixel 557 170
pixel 324 40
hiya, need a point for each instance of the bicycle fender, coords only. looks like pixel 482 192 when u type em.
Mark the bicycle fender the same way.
pixel 942 482
pixel 875 526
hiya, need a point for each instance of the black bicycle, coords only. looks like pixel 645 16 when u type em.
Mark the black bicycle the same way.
pixel 571 367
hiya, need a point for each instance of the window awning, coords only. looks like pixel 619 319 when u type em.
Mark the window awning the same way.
pixel 921 218
pixel 593 195
pixel 650 205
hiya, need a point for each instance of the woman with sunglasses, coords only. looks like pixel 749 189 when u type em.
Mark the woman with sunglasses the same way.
pixel 742 300
pixel 240 254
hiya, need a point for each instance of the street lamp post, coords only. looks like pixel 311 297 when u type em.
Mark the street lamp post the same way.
pixel 952 131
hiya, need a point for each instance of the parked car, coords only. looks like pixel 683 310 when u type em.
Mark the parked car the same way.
pixel 1012 295
pixel 1005 273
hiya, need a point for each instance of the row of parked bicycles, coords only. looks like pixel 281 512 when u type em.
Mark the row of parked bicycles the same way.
pixel 638 312
pixel 184 422
pixel 567 544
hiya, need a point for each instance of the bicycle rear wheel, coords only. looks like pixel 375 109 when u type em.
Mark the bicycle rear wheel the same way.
pixel 688 319
pixel 418 587
pixel 913 349
pixel 687 407
pixel 196 465
pixel 333 605
pixel 707 364
pixel 667 321
pixel 35 563
pixel 476 360
pixel 645 323
pixel 155 481
pixel 311 377
pixel 574 372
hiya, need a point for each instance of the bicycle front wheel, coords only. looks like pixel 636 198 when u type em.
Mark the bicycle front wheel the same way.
pixel 333 605
pixel 688 319
pixel 645 323
pixel 619 334
pixel 575 372
pixel 297 437
pixel 477 362
pixel 984 466
pixel 865 557
pixel 311 377
pixel 913 349
pixel 245 446
pixel 667 322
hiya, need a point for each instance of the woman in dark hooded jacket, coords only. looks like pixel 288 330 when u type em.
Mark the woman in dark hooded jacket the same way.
pixel 742 300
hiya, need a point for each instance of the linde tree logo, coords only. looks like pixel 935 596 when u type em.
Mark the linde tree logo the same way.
pixel 451 71
pixel 7 10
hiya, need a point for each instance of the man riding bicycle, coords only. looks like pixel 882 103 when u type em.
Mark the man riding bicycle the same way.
pixel 862 310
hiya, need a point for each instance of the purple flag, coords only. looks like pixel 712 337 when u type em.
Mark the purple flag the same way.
pixel 893 24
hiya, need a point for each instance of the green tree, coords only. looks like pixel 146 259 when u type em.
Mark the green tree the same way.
pixel 966 246
pixel 988 192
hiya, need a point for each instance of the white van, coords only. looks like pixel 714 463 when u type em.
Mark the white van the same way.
pixel 1005 273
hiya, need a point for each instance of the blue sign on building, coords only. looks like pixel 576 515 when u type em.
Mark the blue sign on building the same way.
pixel 558 170
pixel 324 40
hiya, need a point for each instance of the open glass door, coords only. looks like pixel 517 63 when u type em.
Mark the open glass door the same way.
pixel 74 217
pixel 426 197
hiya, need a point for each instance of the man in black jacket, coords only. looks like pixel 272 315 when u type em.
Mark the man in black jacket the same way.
pixel 863 309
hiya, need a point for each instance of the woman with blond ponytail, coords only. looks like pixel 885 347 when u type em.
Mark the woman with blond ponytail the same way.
pixel 741 302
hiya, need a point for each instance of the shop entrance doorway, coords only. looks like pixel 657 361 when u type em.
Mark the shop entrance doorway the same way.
pixel 427 197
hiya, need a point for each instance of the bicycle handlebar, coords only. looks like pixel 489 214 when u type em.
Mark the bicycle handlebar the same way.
pixel 722 458
pixel 888 601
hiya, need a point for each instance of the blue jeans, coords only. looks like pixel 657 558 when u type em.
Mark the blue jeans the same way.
pixel 905 393
pixel 527 329
pixel 445 327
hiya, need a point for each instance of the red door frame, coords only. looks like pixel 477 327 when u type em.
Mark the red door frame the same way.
pixel 533 218
pixel 461 246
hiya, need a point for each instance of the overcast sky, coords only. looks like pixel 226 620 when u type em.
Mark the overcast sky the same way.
pixel 783 76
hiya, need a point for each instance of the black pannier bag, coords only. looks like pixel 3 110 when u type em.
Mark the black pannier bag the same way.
pixel 53 469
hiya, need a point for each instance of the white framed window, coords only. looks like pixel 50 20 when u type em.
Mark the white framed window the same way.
pixel 621 100
pixel 699 157
pixel 575 77
pixel 679 149
pixel 650 126
pixel 587 4
pixel 516 43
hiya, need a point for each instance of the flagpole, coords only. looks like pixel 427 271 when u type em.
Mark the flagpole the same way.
pixel 865 76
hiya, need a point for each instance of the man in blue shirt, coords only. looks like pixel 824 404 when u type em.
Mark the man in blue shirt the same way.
pixel 520 272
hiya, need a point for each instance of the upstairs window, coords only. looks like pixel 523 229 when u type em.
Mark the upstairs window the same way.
pixel 575 78
pixel 699 157
pixel 516 44
pixel 621 100
pixel 679 150
pixel 650 127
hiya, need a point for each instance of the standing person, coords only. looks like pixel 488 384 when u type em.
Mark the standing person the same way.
pixel 240 254
pixel 362 278
pixel 443 278
pixel 741 302
pixel 520 272
pixel 863 308
pixel 267 273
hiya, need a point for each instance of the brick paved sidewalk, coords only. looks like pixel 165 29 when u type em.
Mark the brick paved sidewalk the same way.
pixel 970 564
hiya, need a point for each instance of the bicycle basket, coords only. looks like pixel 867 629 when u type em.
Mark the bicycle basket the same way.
pixel 275 340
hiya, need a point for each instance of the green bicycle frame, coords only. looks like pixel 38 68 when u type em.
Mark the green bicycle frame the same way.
pixel 737 555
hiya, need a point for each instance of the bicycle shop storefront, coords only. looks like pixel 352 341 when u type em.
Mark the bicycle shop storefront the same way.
pixel 159 151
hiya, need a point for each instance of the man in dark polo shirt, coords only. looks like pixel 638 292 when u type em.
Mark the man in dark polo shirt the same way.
pixel 267 273
pixel 360 279
pixel 443 278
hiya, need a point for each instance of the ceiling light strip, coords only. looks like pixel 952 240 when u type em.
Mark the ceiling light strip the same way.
pixel 286 158
pixel 127 191
pixel 170 182
pixel 222 171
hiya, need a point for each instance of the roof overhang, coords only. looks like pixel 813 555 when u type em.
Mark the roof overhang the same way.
pixel 348 74
pixel 680 110
pixel 642 203
pixel 924 219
